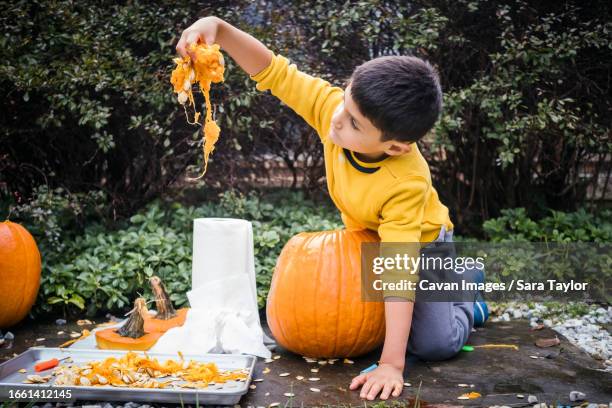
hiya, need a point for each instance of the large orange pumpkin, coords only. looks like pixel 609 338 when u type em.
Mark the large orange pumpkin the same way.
pixel 314 306
pixel 19 273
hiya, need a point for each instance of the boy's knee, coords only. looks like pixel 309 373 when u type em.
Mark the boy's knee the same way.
pixel 435 349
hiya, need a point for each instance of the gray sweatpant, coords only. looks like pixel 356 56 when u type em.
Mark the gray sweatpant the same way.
pixel 440 329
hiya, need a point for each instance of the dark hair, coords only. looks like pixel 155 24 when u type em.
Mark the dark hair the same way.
pixel 400 95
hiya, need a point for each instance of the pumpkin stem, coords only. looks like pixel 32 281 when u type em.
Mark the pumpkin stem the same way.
pixel 10 210
pixel 165 310
pixel 134 327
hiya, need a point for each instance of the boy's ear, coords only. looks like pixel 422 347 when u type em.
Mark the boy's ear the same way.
pixel 396 148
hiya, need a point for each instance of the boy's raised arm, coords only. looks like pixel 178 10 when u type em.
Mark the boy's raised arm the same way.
pixel 312 98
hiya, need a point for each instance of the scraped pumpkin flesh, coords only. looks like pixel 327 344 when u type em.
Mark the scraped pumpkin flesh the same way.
pixel 208 67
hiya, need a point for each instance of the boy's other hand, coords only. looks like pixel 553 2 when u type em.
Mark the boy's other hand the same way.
pixel 385 379
pixel 203 30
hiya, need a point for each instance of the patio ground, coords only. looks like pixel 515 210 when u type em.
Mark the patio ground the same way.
pixel 499 374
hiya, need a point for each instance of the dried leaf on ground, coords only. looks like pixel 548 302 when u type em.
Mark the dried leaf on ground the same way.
pixel 547 342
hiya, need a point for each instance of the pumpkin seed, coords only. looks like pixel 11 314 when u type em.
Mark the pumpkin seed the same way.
pixel 310 360
pixel 266 394
pixel 266 370
pixel 463 385
pixel 274 404
pixel 101 379
pixel 268 360
pixel 289 394
pixel 315 389
pixel 314 379
pixel 84 381
pixel 23 370
pixel 276 357
pixel 284 374
pixel 407 384
pixel 252 386
pixel 41 339
pixel 299 377
pixel 258 380
pixel 322 362
pixel 314 370
pixel 86 372
pixel 347 361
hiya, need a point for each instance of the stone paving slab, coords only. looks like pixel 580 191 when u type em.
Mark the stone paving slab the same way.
pixel 498 374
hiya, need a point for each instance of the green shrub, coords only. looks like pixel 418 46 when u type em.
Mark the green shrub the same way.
pixel 526 120
pixel 103 270
pixel 580 226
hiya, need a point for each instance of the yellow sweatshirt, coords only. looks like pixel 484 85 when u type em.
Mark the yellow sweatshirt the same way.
pixel 394 196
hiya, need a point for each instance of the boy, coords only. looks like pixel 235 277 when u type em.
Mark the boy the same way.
pixel 375 174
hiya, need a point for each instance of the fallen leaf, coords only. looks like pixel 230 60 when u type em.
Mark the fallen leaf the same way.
pixel 84 322
pixel 469 396
pixel 547 342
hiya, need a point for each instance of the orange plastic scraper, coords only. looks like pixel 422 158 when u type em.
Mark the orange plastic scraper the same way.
pixel 45 365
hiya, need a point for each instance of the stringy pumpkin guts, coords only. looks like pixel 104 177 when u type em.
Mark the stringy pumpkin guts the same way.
pixel 142 371
pixel 208 67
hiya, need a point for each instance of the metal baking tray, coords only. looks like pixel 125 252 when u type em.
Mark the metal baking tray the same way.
pixel 221 394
